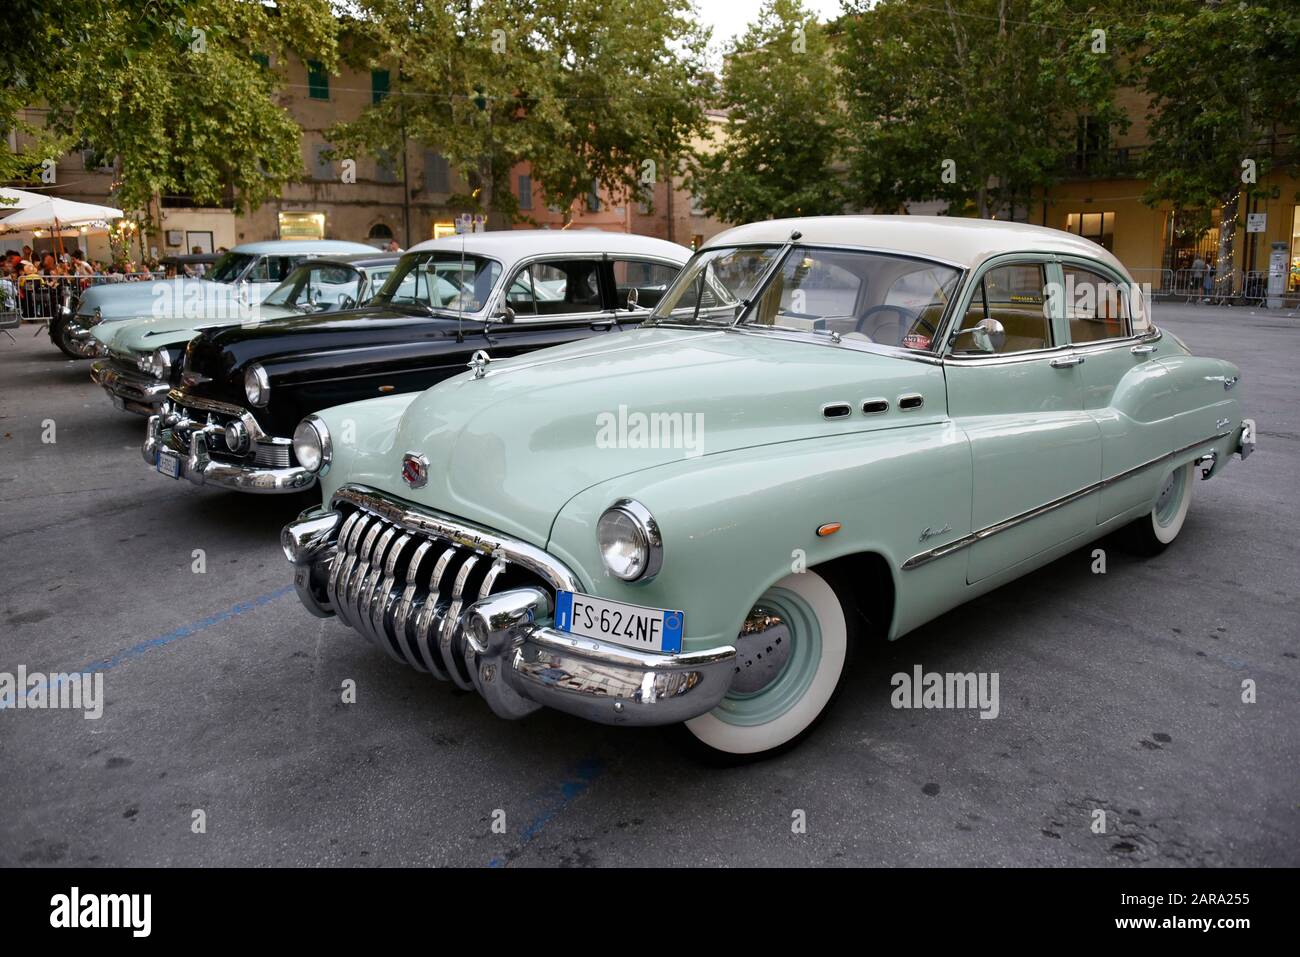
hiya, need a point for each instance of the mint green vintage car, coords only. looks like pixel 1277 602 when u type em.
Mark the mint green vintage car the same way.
pixel 830 430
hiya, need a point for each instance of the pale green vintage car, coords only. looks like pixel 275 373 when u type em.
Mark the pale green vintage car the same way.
pixel 831 429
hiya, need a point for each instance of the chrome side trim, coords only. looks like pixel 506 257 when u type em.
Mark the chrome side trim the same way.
pixel 942 551
pixel 459 532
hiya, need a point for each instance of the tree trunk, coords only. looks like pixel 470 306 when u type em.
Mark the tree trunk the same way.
pixel 1223 284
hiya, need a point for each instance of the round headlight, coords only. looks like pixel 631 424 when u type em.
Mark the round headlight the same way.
pixel 257 385
pixel 629 541
pixel 160 364
pixel 311 444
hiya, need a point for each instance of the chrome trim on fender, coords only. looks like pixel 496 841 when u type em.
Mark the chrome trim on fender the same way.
pixel 988 531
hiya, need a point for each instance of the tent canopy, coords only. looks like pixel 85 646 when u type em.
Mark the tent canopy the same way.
pixel 14 199
pixel 55 213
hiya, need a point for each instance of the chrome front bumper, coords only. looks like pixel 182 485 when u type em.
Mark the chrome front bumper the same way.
pixel 130 391
pixel 502 645
pixel 172 431
pixel 80 339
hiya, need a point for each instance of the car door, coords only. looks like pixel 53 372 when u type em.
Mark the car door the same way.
pixel 1117 357
pixel 553 300
pixel 1021 406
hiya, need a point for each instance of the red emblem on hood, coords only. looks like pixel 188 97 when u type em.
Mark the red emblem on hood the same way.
pixel 415 469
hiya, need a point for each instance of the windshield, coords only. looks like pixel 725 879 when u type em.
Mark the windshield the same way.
pixel 229 267
pixel 318 288
pixel 852 295
pixel 714 287
pixel 441 280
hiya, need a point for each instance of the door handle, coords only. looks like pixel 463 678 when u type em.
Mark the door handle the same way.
pixel 1066 362
pixel 1142 350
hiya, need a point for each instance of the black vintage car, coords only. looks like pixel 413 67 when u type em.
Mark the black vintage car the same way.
pixel 141 358
pixel 242 391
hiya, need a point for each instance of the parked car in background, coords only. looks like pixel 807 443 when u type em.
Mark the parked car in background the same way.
pixel 829 427
pixel 241 277
pixel 142 357
pixel 231 420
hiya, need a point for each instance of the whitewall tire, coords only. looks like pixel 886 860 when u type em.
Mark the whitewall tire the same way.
pixel 794 683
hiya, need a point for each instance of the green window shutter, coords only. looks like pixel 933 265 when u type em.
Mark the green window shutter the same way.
pixel 318 81
pixel 378 85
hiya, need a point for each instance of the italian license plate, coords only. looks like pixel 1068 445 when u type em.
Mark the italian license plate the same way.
pixel 169 464
pixel 632 626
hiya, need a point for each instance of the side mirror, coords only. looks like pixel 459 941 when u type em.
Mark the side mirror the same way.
pixel 987 335
pixel 632 297
pixel 505 314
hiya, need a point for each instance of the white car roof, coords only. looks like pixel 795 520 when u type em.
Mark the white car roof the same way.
pixel 954 239
pixel 508 246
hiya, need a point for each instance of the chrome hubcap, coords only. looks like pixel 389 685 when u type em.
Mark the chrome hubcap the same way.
pixel 1168 494
pixel 762 651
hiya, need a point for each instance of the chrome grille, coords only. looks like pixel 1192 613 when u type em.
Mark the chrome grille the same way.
pixel 405 589
pixel 274 455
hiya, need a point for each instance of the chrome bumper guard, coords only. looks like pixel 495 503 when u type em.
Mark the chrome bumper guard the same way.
pixel 80 338
pixel 171 431
pixel 501 645
pixel 130 391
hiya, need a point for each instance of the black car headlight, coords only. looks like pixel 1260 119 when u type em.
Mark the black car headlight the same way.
pixel 311 444
pixel 629 541
pixel 160 364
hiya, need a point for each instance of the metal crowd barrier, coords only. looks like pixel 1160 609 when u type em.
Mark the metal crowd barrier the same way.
pixel 10 317
pixel 1235 287
pixel 40 298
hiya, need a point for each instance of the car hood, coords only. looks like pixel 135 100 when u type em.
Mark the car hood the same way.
pixel 131 300
pixel 146 335
pixel 509 449
pixel 225 353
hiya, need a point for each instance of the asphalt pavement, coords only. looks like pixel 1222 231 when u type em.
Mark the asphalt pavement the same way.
pixel 1120 692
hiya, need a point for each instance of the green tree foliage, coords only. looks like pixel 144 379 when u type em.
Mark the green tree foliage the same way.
pixel 783 133
pixel 986 91
pixel 171 90
pixel 588 91
pixel 1221 78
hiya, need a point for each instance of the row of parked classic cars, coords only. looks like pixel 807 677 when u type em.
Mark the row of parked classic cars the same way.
pixel 592 472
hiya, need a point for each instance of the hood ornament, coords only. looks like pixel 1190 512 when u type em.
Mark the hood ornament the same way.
pixel 415 469
pixel 479 363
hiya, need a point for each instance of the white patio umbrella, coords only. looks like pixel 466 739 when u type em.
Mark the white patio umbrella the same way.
pixel 55 213
pixel 15 199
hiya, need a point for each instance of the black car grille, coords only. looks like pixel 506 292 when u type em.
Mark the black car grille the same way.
pixel 405 589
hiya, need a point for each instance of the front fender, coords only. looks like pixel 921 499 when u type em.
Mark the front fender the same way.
pixel 358 430
pixel 736 522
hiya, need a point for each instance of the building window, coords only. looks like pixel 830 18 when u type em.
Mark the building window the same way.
pixel 1099 227
pixel 437 173
pixel 697 206
pixel 378 85
pixel 302 225
pixel 593 197
pixel 318 81
pixel 380 234
pixel 385 167
pixel 262 60
pixel 322 167
pixel 525 192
